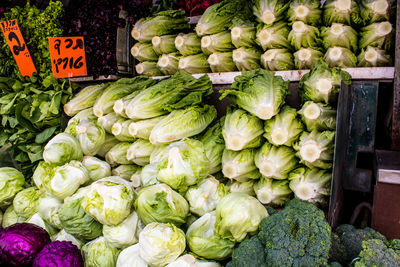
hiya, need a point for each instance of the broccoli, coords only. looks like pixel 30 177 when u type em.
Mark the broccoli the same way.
pixel 337 252
pixel 377 253
pixel 249 253
pixel 230 264
pixel 296 236
pixel 352 239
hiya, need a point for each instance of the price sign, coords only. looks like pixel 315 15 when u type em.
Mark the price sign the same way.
pixel 67 56
pixel 18 47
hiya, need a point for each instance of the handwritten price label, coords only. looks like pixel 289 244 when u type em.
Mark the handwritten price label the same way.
pixel 18 47
pixel 67 56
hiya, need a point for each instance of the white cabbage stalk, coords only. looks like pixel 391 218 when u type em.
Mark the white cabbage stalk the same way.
pixel 273 192
pixel 194 64
pixel 121 104
pixel 274 36
pixel 243 35
pixel 237 215
pixel 242 130
pixel 144 52
pixel 239 165
pixel 374 57
pixel 84 99
pixel 375 10
pixel 204 197
pixel 148 176
pixel 317 116
pixel 219 42
pixel 277 60
pixel 339 35
pixel 164 44
pixel 221 62
pixel 120 130
pixel 117 154
pixel 284 128
pixel 205 242
pixel 107 121
pixel 125 171
pixel 148 68
pixel 188 44
pixel 158 153
pixel 64 236
pixel 123 234
pixel 246 58
pixel 108 144
pixel 316 149
pixel 49 207
pixel 304 36
pixel 130 257
pixel 97 168
pixel 61 149
pixel 168 63
pixel 312 185
pixel 275 162
pixel 143 128
pixel 139 152
pixel 189 260
pixel 305 58
pixel 340 57
pixel 160 244
pixel 245 187
pixel 109 200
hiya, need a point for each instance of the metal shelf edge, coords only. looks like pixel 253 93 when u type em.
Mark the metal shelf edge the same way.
pixel 375 73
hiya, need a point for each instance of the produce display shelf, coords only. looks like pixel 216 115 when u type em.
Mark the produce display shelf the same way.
pixel 93 79
pixel 377 73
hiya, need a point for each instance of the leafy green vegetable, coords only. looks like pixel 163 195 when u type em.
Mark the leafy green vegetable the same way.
pixel 315 149
pixel 61 149
pixel 322 84
pixel 243 33
pixel 218 42
pixel 374 57
pixel 375 10
pixel 214 145
pixel 317 116
pixel 307 11
pixel 144 52
pixel 341 11
pixel 378 35
pixel 84 99
pixel 26 202
pixel 139 152
pixel 126 171
pixel 284 128
pixel 242 130
pixel 148 68
pixel 218 17
pixel 259 92
pixel 194 64
pixel 97 168
pixel 312 185
pixel 273 36
pixel 123 234
pixel 142 128
pixel 273 192
pixel 246 58
pixel 188 44
pixel 11 182
pixel 305 58
pixel 120 130
pixel 277 60
pixel 107 121
pixel 99 253
pixel 268 11
pixel 164 44
pixel 304 36
pixel 239 165
pixel 221 62
pixel 117 154
pixel 275 162
pixel 340 57
pixel 339 35
pixel 242 187
pixel 168 64
pixel 165 22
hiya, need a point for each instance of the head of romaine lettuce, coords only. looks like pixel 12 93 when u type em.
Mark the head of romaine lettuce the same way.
pixel 11 182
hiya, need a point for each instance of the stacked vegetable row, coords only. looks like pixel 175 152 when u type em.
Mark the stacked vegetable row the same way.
pixel 287 47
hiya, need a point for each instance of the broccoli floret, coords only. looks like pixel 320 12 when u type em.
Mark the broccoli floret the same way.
pixel 375 253
pixel 352 239
pixel 249 253
pixel 296 236
pixel 337 252
pixel 230 264
pixel 271 210
pixel 394 244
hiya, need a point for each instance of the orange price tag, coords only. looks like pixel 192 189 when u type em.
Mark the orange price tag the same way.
pixel 18 47
pixel 67 56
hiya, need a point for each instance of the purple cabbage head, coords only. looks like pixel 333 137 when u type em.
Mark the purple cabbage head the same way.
pixel 59 253
pixel 20 243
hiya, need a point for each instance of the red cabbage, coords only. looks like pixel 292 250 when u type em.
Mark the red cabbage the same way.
pixel 59 253
pixel 20 243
